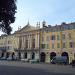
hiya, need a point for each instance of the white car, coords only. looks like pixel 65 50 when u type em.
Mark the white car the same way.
pixel 3 58
pixel 25 60
pixel 9 58
pixel 34 61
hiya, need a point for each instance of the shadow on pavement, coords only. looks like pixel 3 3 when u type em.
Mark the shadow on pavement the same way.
pixel 13 70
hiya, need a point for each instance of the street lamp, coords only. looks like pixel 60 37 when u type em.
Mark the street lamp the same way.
pixel 5 45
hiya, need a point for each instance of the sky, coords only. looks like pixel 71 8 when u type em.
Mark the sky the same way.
pixel 52 11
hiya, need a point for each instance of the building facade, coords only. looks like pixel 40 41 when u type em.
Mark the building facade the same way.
pixel 7 45
pixel 57 40
pixel 28 42
pixel 40 43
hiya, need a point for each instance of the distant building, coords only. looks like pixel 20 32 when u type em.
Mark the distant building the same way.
pixel 7 45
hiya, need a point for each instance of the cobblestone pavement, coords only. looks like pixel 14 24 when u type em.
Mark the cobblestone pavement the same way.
pixel 21 68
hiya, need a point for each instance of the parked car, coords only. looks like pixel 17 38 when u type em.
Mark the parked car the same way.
pixel 25 60
pixel 3 58
pixel 59 60
pixel 9 58
pixel 34 61
pixel 0 57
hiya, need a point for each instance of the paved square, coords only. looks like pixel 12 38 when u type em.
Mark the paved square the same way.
pixel 21 68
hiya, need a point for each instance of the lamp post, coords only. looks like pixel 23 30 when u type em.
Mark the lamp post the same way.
pixel 5 46
pixel 19 49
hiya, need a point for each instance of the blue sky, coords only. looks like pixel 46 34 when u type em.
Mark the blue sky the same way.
pixel 52 11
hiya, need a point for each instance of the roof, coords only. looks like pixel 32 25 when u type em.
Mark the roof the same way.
pixel 26 28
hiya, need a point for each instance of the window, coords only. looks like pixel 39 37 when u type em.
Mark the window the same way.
pixel 74 26
pixel 47 38
pixel 70 44
pixel 52 46
pixel 9 47
pixel 58 45
pixel 64 46
pixel 20 42
pixel 47 46
pixel 63 36
pixel 58 38
pixel 42 36
pixel 65 27
pixel 46 31
pixel 26 43
pixel 42 39
pixel 53 37
pixel 69 35
pixel 33 43
pixel 9 42
pixel 71 27
pixel 42 46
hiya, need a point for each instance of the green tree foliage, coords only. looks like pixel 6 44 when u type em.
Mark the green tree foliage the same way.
pixel 7 15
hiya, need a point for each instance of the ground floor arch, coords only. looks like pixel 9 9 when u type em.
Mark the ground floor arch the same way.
pixel 33 55
pixel 66 55
pixel 42 57
pixel 52 55
pixel 25 55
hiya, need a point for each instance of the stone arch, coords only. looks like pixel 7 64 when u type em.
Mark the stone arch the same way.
pixel 42 57
pixel 52 55
pixel 66 55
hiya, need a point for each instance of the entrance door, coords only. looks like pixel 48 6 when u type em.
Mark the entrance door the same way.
pixel 33 55
pixel 42 57
pixel 25 55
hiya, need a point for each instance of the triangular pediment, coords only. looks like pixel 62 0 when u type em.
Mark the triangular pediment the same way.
pixel 26 29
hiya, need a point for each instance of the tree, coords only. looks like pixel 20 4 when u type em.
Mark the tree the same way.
pixel 7 15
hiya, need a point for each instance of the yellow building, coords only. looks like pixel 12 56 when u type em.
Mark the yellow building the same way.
pixel 57 40
pixel 7 45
